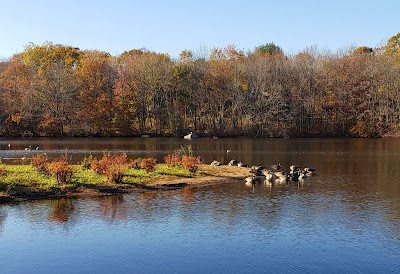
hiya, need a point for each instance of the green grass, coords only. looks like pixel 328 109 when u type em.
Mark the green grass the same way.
pixel 25 177
pixel 162 171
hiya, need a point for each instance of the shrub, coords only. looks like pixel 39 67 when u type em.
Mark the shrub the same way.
pixel 191 163
pixel 113 166
pixel 99 166
pixel 136 163
pixel 173 159
pixel 115 172
pixel 87 161
pixel 148 164
pixel 61 169
pixel 39 162
pixel 122 159
pixel 3 171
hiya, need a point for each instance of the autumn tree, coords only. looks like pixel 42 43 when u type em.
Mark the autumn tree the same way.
pixel 95 79
pixel 20 111
pixel 142 85
pixel 56 87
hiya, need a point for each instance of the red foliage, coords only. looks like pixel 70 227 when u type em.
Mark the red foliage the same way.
pixel 61 169
pixel 148 164
pixel 39 162
pixel 173 159
pixel 113 166
pixel 191 163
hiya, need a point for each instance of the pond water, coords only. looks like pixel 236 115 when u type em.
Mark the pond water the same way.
pixel 346 219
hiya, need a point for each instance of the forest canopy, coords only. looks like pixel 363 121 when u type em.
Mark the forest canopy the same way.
pixel 59 90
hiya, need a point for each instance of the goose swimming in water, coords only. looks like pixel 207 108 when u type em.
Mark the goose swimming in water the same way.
pixel 269 176
pixel 294 169
pixel 309 171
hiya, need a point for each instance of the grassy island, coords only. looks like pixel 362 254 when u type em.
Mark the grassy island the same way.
pixel 110 175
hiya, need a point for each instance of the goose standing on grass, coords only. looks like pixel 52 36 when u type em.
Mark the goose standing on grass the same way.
pixel 215 163
pixel 233 163
pixel 276 167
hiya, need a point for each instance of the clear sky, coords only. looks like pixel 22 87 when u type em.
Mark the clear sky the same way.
pixel 170 26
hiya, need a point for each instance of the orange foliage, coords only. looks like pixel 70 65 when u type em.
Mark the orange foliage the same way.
pixel 39 162
pixel 62 170
pixel 191 163
pixel 148 164
pixel 3 172
pixel 173 159
pixel 112 166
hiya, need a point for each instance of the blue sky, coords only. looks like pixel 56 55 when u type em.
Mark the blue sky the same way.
pixel 171 26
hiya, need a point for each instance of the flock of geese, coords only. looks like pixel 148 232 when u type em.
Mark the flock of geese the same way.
pixel 274 174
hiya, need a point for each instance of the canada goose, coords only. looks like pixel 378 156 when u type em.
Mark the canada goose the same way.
pixel 276 167
pixel 240 164
pixel 294 168
pixel 191 135
pixel 280 173
pixel 309 171
pixel 301 177
pixel 300 181
pixel 293 176
pixel 269 176
pixel 256 170
pixel 228 151
pixel 281 180
pixel 215 163
pixel 37 148
pixel 233 163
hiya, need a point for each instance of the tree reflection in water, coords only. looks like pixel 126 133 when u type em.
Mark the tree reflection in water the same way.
pixel 62 209
pixel 113 208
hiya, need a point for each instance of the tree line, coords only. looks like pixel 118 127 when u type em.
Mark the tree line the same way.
pixel 58 90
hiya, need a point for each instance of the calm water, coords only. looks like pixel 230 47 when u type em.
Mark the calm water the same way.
pixel 346 219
